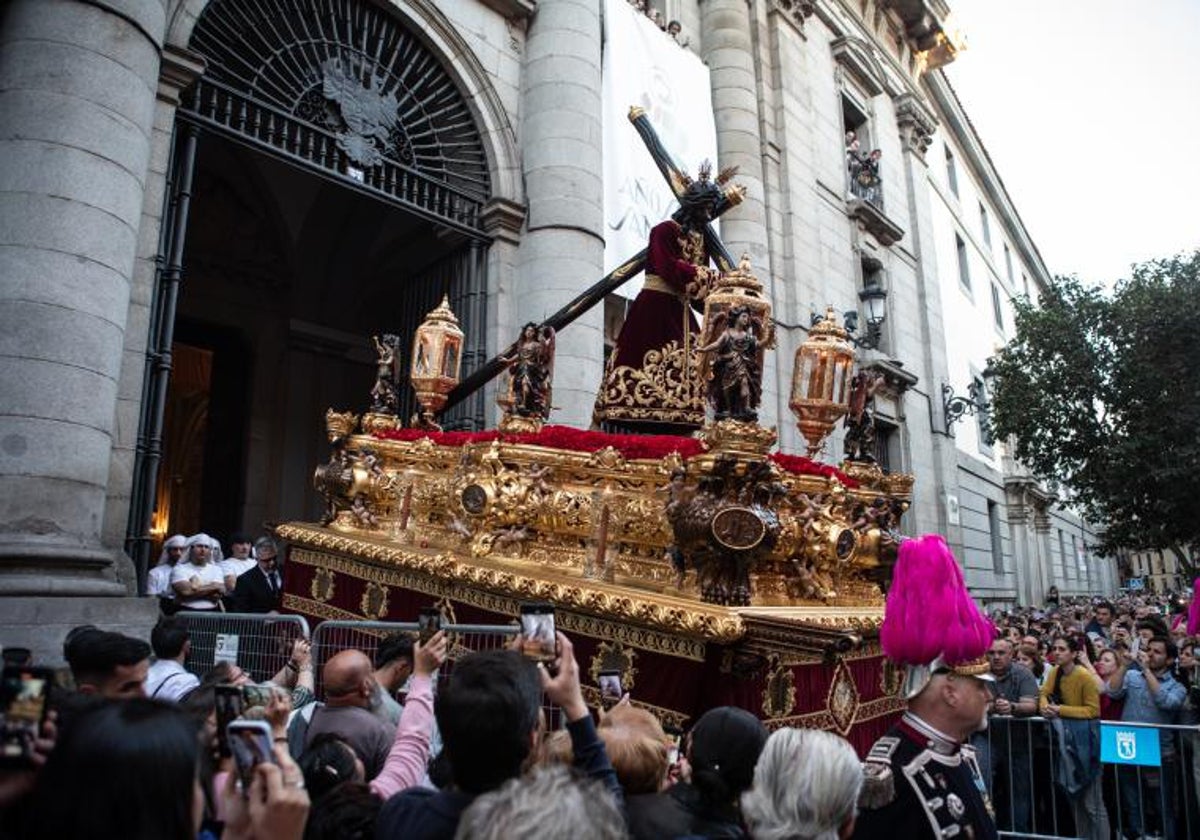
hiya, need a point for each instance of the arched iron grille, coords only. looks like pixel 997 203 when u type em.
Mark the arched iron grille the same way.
pixel 343 86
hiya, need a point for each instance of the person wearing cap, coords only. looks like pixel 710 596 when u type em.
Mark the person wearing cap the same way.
pixel 921 779
pixel 198 582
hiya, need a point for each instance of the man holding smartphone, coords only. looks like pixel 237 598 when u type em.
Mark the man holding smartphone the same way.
pixel 1152 695
pixel 490 718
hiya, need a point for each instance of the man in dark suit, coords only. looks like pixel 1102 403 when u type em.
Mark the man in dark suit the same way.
pixel 259 590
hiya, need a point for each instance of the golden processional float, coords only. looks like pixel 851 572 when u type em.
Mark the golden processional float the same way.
pixel 708 569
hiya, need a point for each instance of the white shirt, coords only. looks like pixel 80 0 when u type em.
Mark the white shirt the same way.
pixel 234 568
pixel 208 573
pixel 168 680
pixel 158 581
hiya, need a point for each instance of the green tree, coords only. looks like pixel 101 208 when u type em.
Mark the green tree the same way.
pixel 1102 394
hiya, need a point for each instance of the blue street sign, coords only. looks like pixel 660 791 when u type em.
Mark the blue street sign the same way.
pixel 1130 745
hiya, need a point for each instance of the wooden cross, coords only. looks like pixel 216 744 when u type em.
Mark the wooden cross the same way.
pixel 677 180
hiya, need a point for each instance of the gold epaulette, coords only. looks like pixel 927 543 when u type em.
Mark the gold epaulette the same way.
pixel 879 788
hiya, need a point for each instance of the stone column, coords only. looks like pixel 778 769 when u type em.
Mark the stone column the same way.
pixel 562 251
pixel 77 96
pixel 917 326
pixel 728 48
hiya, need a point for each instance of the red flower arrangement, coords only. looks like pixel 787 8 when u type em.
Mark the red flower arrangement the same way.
pixel 632 447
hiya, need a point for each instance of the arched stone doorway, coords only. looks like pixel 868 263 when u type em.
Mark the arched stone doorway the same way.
pixel 327 184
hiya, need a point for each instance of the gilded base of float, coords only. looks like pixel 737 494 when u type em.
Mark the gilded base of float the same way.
pixel 734 575
pixel 800 666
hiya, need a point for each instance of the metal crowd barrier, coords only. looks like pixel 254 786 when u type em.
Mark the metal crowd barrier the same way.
pixel 1148 784
pixel 330 637
pixel 259 644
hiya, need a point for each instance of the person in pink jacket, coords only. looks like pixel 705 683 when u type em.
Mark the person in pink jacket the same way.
pixel 405 765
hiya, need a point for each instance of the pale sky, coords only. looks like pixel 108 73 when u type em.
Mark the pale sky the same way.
pixel 1090 110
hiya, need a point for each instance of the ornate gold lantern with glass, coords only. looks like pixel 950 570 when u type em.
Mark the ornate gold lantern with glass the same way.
pixel 821 380
pixel 436 360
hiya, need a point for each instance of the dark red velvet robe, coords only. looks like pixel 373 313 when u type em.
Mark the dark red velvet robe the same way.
pixel 649 386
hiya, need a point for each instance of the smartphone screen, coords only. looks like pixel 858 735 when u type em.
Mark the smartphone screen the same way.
pixel 230 705
pixel 539 639
pixel 429 622
pixel 23 695
pixel 250 741
pixel 611 689
pixel 256 695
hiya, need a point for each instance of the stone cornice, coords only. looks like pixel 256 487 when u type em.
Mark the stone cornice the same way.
pixel 178 69
pixel 512 8
pixel 916 122
pixel 502 219
pixel 855 57
pixel 875 222
pixel 794 12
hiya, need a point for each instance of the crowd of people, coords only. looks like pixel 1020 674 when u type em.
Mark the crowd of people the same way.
pixel 397 748
pixel 672 28
pixel 193 574
pixel 1062 668
pixel 141 748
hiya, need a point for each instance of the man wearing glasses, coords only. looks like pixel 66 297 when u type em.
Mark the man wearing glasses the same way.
pixel 259 590
pixel 1005 749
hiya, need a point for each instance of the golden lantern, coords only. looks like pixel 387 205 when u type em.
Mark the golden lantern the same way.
pixel 821 380
pixel 737 288
pixel 436 360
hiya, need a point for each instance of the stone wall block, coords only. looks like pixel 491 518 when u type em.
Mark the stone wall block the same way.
pixel 48 223
pixel 41 168
pixel 98 131
pixel 92 77
pixel 60 279
pixel 37 388
pixel 75 453
pixel 91 337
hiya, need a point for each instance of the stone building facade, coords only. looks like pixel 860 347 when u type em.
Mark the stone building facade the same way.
pixel 195 244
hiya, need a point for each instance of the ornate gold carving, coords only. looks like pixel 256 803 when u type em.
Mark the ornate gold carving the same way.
pixel 322 587
pixel 614 657
pixel 375 601
pixel 531 511
pixel 891 678
pixel 737 438
pixel 338 427
pixel 436 576
pixel 872 709
pixel 373 423
pixel 665 388
pixel 842 700
pixel 779 694
pixel 515 424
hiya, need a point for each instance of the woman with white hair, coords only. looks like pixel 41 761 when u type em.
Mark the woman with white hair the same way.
pixel 198 580
pixel 158 580
pixel 806 786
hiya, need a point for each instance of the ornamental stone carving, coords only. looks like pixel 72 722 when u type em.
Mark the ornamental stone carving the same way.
pixel 916 123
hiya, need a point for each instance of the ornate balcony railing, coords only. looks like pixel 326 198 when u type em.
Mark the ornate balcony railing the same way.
pixel 214 105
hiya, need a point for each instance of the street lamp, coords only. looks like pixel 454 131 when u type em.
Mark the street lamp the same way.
pixel 955 408
pixel 874 298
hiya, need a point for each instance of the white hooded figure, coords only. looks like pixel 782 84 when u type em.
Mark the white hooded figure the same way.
pixel 158 581
pixel 197 579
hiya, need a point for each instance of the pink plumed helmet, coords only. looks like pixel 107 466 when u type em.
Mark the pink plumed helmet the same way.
pixel 930 622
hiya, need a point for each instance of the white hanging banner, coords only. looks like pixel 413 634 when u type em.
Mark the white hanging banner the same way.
pixel 644 66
